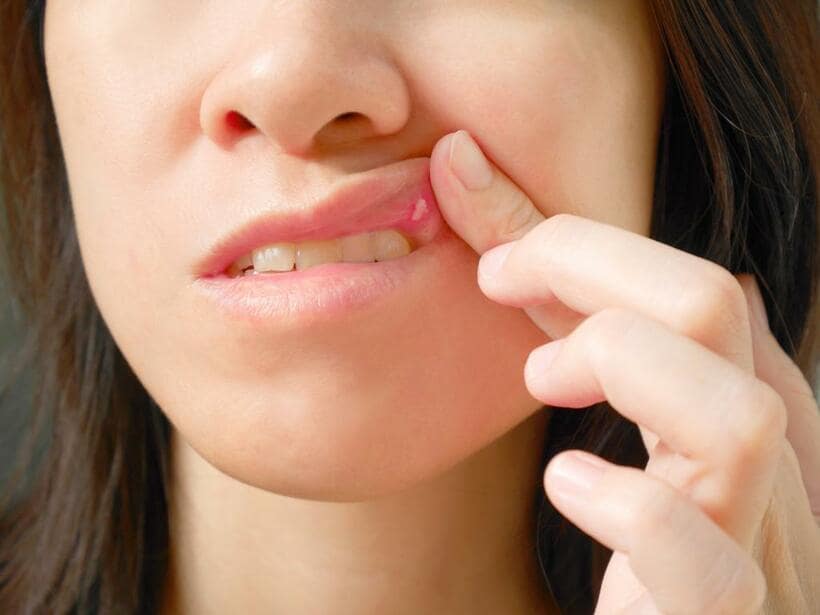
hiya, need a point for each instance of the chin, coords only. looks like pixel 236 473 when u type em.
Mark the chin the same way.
pixel 332 447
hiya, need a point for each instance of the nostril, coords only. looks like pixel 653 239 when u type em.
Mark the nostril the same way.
pixel 237 121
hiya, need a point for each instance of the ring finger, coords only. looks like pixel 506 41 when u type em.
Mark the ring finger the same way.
pixel 730 425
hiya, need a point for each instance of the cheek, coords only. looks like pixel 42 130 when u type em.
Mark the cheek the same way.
pixel 568 109
pixel 122 94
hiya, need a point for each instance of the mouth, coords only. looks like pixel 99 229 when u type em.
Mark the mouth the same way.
pixel 380 235
pixel 384 214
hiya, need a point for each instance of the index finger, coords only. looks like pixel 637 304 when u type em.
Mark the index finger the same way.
pixel 584 264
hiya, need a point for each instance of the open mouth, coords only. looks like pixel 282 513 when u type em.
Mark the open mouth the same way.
pixel 384 216
pixel 283 257
pixel 369 239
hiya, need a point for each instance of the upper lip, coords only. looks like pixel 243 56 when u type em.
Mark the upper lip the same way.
pixel 373 200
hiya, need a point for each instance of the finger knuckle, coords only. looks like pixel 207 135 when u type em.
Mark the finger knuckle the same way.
pixel 760 421
pixel 605 330
pixel 519 216
pixel 714 304
pixel 655 511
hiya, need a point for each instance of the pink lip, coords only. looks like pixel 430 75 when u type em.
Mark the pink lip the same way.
pixel 383 198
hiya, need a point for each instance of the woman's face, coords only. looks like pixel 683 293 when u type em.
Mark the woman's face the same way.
pixel 564 96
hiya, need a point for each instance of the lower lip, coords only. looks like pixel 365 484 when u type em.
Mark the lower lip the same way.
pixel 320 292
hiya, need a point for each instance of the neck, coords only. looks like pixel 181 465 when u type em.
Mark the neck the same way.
pixel 463 542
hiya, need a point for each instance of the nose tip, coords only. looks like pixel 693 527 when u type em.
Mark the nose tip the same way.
pixel 308 88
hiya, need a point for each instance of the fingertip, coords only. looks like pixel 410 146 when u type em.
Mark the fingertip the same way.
pixel 538 376
pixel 574 473
pixel 543 357
pixel 492 261
pixel 440 156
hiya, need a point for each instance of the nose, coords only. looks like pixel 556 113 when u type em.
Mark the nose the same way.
pixel 312 79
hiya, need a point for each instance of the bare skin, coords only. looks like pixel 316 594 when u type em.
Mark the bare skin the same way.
pixel 387 461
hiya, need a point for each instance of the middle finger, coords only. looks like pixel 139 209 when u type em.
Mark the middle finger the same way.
pixel 589 266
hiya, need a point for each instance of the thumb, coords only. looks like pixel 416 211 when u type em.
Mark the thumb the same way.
pixel 478 201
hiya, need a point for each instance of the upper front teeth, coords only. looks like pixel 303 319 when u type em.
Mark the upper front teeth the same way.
pixel 361 248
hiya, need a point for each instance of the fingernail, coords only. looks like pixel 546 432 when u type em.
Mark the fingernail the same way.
pixel 758 306
pixel 468 162
pixel 491 261
pixel 575 474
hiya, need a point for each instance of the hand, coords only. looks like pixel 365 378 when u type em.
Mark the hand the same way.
pixel 721 520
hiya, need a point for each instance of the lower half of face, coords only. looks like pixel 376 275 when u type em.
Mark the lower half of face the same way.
pixel 384 393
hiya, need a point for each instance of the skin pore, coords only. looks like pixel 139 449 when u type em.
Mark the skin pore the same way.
pixel 386 460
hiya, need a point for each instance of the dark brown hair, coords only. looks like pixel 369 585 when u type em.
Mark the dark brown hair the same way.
pixel 85 526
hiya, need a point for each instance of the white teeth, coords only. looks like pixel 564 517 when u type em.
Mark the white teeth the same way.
pixel 389 244
pixel 275 257
pixel 361 248
pixel 356 248
pixel 311 253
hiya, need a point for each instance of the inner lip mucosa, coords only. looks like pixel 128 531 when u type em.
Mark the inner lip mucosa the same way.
pixel 282 257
